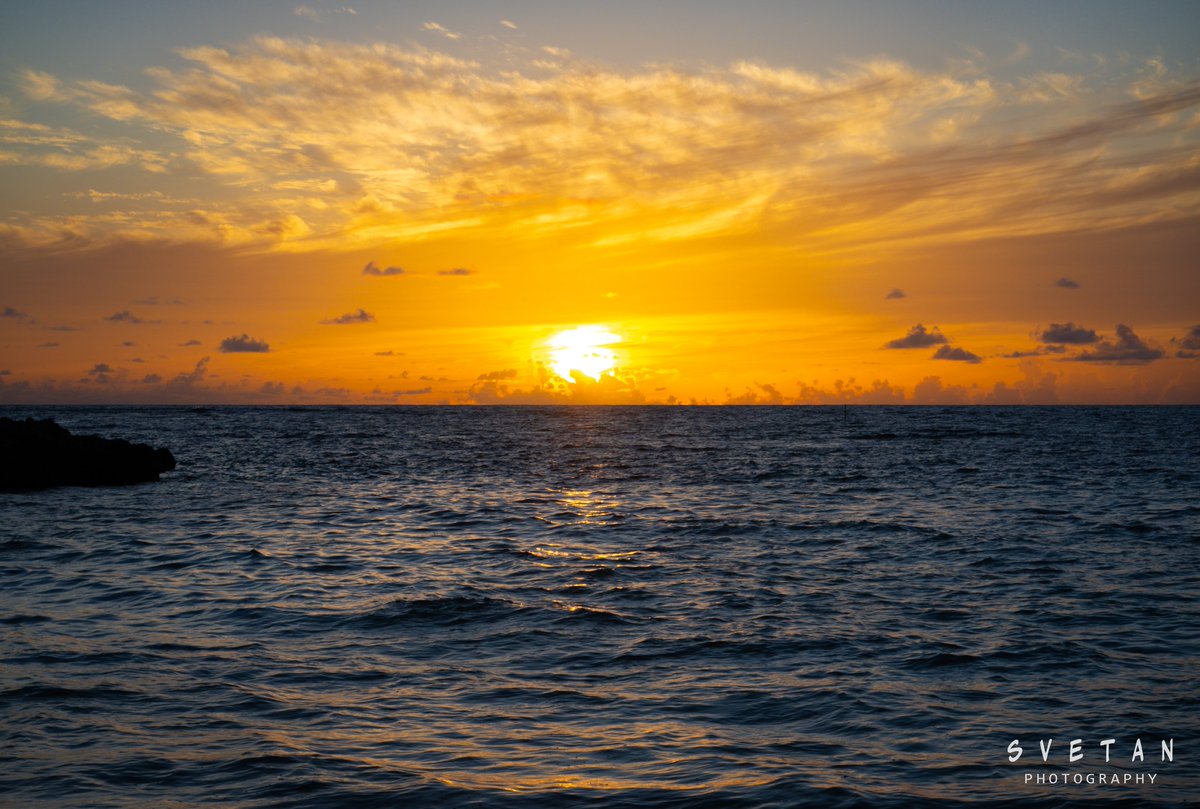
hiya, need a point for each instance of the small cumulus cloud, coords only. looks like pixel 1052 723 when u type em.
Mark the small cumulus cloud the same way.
pixel 1127 349
pixel 507 373
pixel 895 295
pixel 955 353
pixel 1068 334
pixel 190 343
pixel 129 344
pixel 272 389
pixel 412 392
pixel 8 311
pixel 125 316
pixel 243 345
pixel 350 318
pixel 151 379
pixel 509 24
pixel 557 53
pixel 441 29
pixel 1066 283
pixel 374 269
pixel 918 337
pixel 455 271
pixel 1189 343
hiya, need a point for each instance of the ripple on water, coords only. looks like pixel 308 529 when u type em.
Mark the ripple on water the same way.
pixel 602 606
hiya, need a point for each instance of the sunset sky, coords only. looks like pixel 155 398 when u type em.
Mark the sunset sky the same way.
pixel 620 202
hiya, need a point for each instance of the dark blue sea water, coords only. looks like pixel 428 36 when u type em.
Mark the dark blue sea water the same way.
pixel 567 607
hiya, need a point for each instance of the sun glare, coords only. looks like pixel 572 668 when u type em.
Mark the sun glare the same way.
pixel 585 350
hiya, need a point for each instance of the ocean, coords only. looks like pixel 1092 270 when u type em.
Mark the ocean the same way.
pixel 606 606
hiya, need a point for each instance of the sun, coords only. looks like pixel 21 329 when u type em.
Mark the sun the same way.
pixel 584 350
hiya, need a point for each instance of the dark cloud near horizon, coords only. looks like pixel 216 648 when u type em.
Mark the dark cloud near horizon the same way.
pixel 455 271
pixel 350 318
pixel 373 269
pixel 243 345
pixel 918 337
pixel 189 379
pixel 895 295
pixel 1068 334
pixel 957 354
pixel 8 311
pixel 1128 349
pixel 507 373
pixel 1066 283
pixel 190 343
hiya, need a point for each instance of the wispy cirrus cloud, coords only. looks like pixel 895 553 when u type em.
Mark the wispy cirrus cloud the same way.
pixel 316 14
pixel 656 153
pixel 437 28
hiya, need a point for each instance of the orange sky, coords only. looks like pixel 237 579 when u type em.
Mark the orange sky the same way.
pixel 397 219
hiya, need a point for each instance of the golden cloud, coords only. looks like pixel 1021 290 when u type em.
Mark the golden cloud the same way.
pixel 318 145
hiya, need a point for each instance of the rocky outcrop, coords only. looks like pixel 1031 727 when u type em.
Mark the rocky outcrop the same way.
pixel 41 454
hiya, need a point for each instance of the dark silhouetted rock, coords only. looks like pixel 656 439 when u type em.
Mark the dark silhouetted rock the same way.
pixel 41 454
